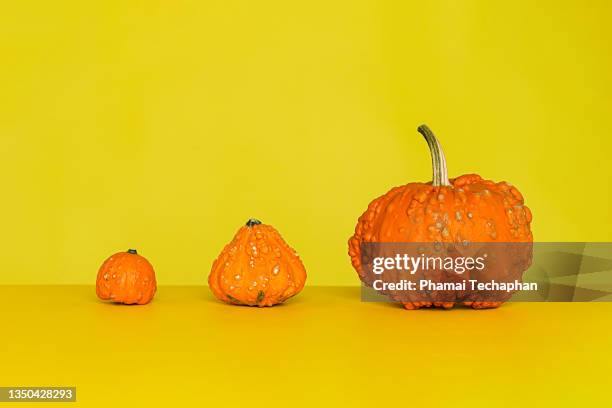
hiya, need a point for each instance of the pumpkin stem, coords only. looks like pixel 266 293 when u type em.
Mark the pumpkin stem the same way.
pixel 438 161
pixel 132 251
pixel 252 222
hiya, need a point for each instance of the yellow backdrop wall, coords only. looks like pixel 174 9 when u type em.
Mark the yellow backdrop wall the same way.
pixel 165 125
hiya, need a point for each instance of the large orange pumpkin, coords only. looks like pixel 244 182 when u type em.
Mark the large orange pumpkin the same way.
pixel 126 277
pixel 257 268
pixel 461 210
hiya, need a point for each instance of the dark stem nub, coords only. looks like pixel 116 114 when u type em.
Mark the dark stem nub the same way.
pixel 132 251
pixel 252 222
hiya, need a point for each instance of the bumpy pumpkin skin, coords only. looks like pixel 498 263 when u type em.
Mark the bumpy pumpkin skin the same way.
pixel 468 209
pixel 127 278
pixel 257 268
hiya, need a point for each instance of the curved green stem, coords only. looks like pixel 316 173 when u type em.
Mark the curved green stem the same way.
pixel 438 161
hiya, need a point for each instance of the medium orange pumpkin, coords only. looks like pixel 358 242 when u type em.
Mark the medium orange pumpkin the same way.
pixel 461 210
pixel 257 268
pixel 126 277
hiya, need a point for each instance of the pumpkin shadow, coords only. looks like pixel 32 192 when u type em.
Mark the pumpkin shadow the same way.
pixel 110 303
pixel 211 299
pixel 208 298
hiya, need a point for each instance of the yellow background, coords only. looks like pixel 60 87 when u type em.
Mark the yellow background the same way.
pixel 164 125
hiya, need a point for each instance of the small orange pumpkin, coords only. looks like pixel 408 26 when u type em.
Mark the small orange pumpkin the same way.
pixel 257 268
pixel 126 277
pixel 461 210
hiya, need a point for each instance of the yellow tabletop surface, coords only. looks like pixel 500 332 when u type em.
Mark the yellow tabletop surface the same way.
pixel 324 347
